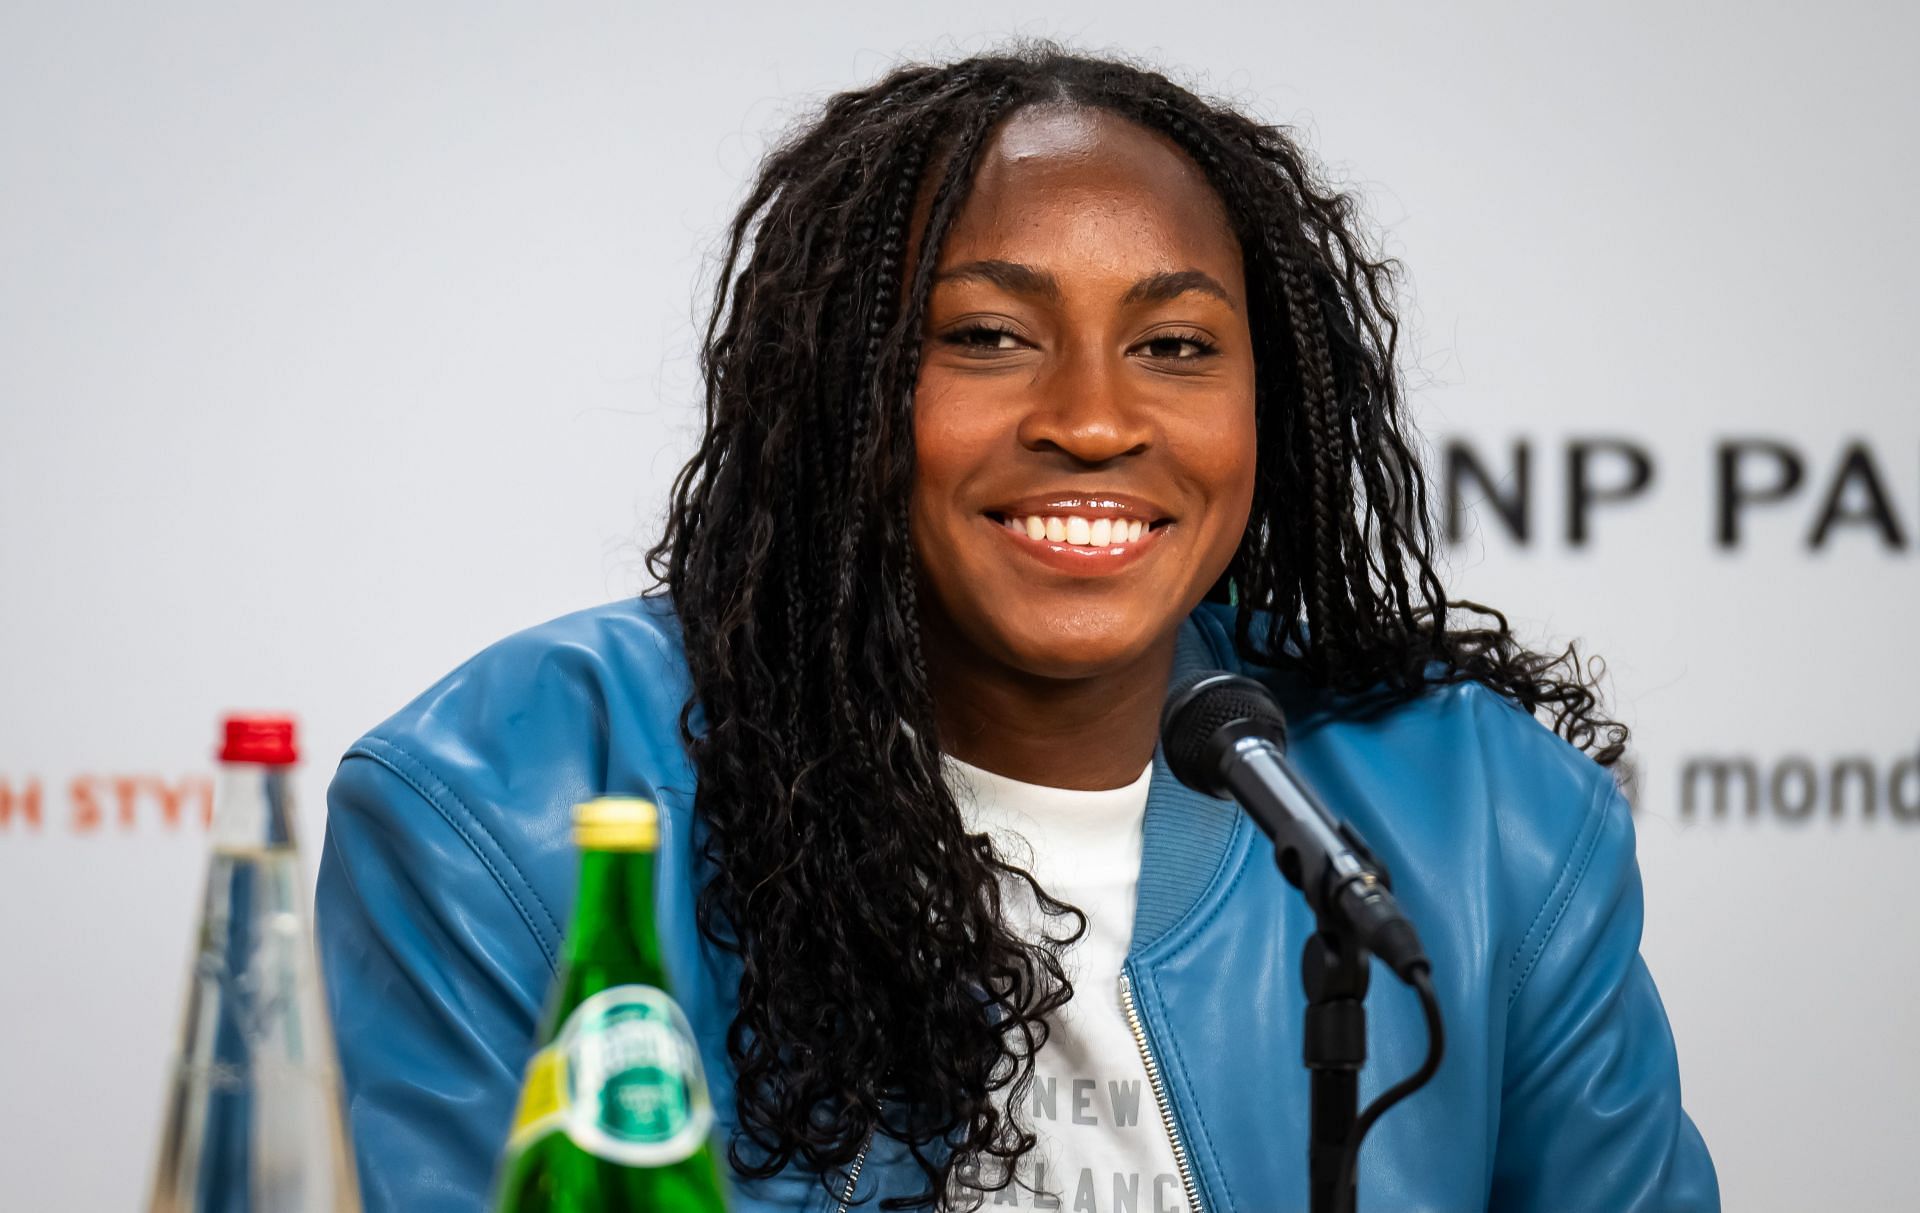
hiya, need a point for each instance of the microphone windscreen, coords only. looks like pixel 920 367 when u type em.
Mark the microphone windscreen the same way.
pixel 1198 707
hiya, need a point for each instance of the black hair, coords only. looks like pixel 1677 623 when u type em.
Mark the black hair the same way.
pixel 880 989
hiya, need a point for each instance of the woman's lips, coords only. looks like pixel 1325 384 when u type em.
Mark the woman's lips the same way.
pixel 1089 505
pixel 1081 559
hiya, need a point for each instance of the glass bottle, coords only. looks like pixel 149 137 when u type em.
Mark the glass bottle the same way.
pixel 252 1119
pixel 614 1112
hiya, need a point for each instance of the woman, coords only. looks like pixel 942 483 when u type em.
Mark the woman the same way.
pixel 1033 382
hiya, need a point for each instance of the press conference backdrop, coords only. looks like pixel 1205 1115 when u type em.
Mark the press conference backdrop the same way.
pixel 336 343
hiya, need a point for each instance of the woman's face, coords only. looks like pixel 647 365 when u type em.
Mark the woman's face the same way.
pixel 1084 413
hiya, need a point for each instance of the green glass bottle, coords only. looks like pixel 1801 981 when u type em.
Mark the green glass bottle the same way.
pixel 614 1112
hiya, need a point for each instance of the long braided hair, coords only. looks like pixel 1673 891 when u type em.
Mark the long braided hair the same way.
pixel 880 990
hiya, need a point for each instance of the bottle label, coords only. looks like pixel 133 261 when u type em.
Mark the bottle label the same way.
pixel 622 1079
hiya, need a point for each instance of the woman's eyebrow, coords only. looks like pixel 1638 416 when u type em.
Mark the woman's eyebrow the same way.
pixel 1158 288
pixel 1019 279
pixel 1009 276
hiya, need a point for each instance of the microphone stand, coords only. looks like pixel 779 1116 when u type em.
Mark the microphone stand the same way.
pixel 1334 969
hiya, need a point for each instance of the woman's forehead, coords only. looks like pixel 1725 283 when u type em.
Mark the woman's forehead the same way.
pixel 1073 181
pixel 1055 132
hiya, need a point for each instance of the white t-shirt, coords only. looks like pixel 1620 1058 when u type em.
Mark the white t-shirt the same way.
pixel 1102 1145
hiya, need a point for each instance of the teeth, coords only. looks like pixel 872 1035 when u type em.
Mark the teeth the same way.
pixel 1078 529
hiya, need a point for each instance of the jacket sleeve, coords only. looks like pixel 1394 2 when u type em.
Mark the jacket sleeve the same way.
pixel 434 982
pixel 1590 1115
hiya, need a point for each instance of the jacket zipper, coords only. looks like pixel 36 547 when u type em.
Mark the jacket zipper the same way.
pixel 853 1175
pixel 1159 1095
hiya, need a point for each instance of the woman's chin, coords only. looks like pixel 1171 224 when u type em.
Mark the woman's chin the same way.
pixel 1068 653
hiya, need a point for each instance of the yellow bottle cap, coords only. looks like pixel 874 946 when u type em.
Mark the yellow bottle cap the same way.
pixel 616 823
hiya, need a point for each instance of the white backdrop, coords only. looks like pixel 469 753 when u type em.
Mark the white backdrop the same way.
pixel 337 341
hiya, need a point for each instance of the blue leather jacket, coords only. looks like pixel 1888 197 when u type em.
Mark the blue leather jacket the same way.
pixel 448 875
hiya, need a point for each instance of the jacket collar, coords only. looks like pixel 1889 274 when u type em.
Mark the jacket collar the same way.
pixel 1187 835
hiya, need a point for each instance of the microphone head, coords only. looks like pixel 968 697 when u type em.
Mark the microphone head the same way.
pixel 1205 714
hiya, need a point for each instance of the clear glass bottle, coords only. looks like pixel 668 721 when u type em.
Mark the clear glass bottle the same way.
pixel 253 1121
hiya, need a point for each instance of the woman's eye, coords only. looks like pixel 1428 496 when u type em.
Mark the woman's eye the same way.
pixel 1179 347
pixel 983 337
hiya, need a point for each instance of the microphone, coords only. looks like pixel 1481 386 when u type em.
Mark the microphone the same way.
pixel 1224 736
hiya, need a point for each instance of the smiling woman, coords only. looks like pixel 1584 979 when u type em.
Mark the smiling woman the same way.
pixel 1117 386
pixel 1033 383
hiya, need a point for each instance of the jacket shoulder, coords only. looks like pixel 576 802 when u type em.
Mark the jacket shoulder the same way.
pixel 502 746
pixel 1480 726
pixel 448 875
pixel 1457 770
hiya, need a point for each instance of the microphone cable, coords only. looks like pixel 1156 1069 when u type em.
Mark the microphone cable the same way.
pixel 1422 982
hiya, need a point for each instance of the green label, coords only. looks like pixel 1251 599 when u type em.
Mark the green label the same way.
pixel 634 1092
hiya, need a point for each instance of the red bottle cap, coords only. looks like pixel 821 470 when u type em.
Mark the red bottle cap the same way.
pixel 262 739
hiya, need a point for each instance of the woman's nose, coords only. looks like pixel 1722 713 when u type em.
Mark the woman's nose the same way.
pixel 1085 409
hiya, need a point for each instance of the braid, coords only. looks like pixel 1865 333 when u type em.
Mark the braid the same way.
pixel 1318 406
pixel 860 490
